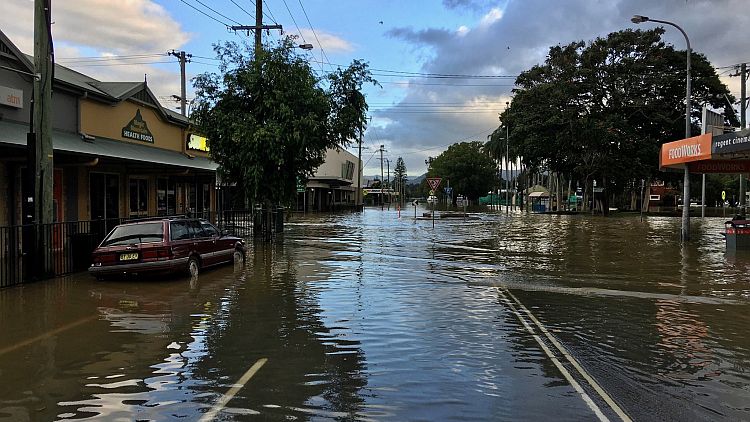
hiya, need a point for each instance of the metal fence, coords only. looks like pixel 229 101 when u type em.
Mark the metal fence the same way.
pixel 65 247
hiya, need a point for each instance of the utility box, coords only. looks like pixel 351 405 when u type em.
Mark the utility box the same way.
pixel 737 233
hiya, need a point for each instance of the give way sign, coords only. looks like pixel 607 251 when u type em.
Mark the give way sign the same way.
pixel 434 182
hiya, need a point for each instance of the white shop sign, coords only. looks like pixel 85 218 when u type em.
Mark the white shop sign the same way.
pixel 11 97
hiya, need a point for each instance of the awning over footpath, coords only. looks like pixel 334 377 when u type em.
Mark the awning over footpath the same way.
pixel 15 134
pixel 707 153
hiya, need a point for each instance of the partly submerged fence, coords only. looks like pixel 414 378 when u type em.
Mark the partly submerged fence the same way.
pixel 65 247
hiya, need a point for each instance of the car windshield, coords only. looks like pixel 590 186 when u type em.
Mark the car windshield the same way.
pixel 135 233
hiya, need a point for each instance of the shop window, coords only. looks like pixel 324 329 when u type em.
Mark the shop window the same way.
pixel 104 196
pixel 138 189
pixel 165 197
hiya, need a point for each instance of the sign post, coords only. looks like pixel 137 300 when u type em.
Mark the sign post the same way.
pixel 723 198
pixel 434 182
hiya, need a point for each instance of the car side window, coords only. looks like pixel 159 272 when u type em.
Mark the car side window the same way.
pixel 197 230
pixel 209 229
pixel 179 230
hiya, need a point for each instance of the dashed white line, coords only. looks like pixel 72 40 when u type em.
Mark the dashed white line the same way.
pixel 222 402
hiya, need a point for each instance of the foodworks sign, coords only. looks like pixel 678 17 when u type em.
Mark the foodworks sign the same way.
pixel 686 150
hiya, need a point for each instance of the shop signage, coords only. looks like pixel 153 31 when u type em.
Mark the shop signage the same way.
pixel 197 143
pixel 731 142
pixel 686 150
pixel 11 97
pixel 720 166
pixel 138 129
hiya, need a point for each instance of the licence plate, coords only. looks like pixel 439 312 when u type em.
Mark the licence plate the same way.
pixel 128 256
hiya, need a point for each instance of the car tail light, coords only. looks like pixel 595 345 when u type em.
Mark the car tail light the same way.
pixel 105 259
pixel 164 253
pixel 160 254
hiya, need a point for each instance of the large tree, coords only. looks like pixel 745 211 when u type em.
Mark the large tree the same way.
pixel 269 119
pixel 467 168
pixel 602 110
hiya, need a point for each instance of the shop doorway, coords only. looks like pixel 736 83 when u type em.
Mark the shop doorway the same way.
pixel 138 188
pixel 104 197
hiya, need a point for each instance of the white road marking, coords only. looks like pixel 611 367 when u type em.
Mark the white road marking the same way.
pixel 48 334
pixel 586 398
pixel 589 379
pixel 222 402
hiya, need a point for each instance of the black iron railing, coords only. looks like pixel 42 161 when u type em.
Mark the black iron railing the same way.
pixel 30 252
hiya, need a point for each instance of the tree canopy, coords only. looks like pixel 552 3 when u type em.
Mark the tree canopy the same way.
pixel 269 119
pixel 603 109
pixel 469 169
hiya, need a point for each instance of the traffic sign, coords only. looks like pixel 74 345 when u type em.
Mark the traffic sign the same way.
pixel 448 190
pixel 432 192
pixel 434 182
pixel 723 195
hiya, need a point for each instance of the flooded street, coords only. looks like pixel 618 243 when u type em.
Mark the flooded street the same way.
pixel 372 317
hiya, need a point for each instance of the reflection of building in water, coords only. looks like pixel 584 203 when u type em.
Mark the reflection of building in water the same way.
pixel 683 336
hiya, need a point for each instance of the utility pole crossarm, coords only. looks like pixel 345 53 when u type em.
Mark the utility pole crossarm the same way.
pixel 253 27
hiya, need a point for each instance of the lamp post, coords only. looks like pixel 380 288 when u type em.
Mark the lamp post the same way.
pixel 685 233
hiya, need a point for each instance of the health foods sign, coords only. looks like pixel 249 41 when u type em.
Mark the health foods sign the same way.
pixel 138 129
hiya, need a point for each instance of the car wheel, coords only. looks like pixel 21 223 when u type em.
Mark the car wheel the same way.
pixel 238 256
pixel 193 266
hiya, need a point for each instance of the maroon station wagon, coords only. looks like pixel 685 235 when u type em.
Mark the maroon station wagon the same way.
pixel 164 245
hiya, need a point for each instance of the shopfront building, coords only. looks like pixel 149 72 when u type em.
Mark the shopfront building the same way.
pixel 117 152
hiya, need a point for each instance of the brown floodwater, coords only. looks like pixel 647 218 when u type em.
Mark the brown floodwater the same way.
pixel 374 317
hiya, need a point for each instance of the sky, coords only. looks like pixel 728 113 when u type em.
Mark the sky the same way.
pixel 407 43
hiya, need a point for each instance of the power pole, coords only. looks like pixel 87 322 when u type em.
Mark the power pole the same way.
pixel 41 192
pixel 743 121
pixel 381 177
pixel 183 58
pixel 388 180
pixel 359 174
pixel 258 27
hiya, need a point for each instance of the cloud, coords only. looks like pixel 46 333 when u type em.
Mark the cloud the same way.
pixel 104 28
pixel 508 38
pixel 329 42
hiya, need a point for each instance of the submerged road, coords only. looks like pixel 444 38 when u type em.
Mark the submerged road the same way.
pixel 372 317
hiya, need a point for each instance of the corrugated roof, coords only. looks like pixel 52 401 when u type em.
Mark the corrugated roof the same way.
pixel 118 89
pixel 15 134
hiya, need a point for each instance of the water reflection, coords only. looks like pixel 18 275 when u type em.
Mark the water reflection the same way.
pixel 375 317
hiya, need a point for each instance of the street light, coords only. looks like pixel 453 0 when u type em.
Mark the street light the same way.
pixel 637 19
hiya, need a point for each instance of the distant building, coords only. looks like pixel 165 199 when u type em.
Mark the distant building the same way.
pixel 333 186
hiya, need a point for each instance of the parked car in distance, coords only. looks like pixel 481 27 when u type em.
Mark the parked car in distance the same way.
pixel 164 245
pixel 432 199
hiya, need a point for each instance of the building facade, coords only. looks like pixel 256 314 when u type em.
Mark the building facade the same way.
pixel 117 152
pixel 333 186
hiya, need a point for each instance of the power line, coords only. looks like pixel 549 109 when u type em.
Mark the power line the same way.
pixel 295 22
pixel 108 58
pixel 204 13
pixel 218 13
pixel 436 84
pixel 242 8
pixel 272 17
pixel 119 64
pixel 322 51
